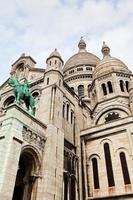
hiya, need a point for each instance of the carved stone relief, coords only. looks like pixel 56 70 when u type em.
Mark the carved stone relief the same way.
pixel 33 138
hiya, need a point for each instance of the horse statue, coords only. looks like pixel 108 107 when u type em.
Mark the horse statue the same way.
pixel 22 92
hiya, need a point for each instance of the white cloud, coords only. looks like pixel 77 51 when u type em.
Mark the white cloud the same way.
pixel 36 27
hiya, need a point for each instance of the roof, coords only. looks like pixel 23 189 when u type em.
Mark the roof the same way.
pixel 109 64
pixel 55 53
pixel 81 58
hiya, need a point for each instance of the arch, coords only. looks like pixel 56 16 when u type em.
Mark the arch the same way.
pixel 35 94
pixel 81 90
pixel 106 140
pixel 95 155
pixel 10 100
pixel 122 85
pixel 36 90
pixel 110 88
pixel 72 88
pixel 104 88
pixel 28 171
pixel 124 168
pixel 122 149
pixel 20 66
pixel 115 108
pixel 111 116
pixel 109 168
pixel 35 154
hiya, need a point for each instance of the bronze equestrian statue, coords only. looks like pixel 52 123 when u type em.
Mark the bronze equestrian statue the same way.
pixel 22 91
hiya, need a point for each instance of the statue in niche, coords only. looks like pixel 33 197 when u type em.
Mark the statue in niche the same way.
pixel 22 92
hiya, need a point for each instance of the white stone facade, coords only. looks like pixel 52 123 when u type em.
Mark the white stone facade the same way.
pixel 79 143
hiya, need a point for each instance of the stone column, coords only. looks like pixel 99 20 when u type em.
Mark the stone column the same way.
pixel 10 148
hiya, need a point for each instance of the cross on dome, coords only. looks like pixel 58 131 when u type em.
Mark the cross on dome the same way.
pixel 82 45
pixel 105 50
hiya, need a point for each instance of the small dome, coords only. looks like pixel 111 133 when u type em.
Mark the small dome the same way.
pixel 81 58
pixel 55 53
pixel 109 64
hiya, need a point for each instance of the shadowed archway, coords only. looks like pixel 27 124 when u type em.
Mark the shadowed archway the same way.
pixel 27 175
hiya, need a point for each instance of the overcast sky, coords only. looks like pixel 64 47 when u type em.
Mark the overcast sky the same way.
pixel 37 27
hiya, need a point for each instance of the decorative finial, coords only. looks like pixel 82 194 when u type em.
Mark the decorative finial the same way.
pixel 82 45
pixel 103 43
pixel 23 55
pixel 105 50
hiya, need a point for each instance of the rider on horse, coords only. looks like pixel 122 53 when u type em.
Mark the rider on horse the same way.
pixel 26 88
pixel 22 91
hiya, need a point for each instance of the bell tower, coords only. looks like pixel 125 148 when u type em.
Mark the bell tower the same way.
pixel 54 61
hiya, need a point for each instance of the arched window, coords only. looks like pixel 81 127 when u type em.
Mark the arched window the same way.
pixel 71 117
pixel 9 101
pixel 80 69
pixel 67 114
pixel 122 85
pixel 124 168
pixel 109 168
pixel 55 62
pixel 81 90
pixel 95 173
pixel 72 88
pixel 63 111
pixel 50 62
pixel 112 116
pixel 104 89
pixel 35 94
pixel 127 83
pixel 109 84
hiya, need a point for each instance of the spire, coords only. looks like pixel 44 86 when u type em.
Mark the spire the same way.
pixel 82 45
pixel 105 50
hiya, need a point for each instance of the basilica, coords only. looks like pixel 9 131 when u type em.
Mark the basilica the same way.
pixel 78 143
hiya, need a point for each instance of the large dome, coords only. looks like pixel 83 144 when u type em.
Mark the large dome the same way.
pixel 81 58
pixel 109 64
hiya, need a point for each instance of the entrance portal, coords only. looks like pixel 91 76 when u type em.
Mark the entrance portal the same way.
pixel 25 179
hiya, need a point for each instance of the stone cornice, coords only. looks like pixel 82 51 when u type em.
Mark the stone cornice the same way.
pixel 105 100
pixel 106 129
